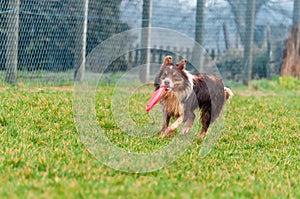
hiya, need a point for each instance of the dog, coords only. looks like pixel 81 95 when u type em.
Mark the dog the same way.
pixel 187 92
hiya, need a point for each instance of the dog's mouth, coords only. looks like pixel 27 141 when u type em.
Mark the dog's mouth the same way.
pixel 169 89
pixel 168 83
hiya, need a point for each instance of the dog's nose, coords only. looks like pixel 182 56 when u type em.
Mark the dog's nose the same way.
pixel 167 82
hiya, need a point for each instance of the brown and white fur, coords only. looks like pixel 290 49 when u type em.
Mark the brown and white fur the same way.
pixel 187 92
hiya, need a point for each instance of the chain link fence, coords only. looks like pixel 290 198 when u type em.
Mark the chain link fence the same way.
pixel 46 40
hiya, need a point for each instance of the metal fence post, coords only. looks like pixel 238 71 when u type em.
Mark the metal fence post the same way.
pixel 81 56
pixel 12 41
pixel 145 40
pixel 249 35
pixel 199 34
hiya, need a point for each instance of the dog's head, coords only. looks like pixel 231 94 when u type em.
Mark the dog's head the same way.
pixel 173 77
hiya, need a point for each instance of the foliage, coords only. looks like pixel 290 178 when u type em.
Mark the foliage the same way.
pixel 238 9
pixel 50 30
pixel 278 83
pixel 232 62
pixel 42 156
pixel 104 21
pixel 289 83
pixel 261 61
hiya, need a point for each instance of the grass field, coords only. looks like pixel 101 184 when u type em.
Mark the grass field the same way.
pixel 42 156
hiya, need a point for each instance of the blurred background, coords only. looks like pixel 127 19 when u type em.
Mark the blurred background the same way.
pixel 46 41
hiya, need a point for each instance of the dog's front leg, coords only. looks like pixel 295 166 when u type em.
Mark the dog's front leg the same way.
pixel 171 129
pixel 166 121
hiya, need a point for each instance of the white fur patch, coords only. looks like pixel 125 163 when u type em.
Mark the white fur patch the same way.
pixel 190 77
pixel 230 93
pixel 191 82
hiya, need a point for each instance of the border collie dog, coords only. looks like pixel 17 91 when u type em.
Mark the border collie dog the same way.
pixel 187 92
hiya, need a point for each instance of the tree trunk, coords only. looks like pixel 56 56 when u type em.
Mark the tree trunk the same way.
pixel 296 22
pixel 226 37
pixel 239 21
pixel 12 41
pixel 290 65
pixel 291 57
pixel 296 14
pixel 248 47
pixel 238 7
pixel 268 42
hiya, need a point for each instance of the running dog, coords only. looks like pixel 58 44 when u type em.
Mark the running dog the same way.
pixel 186 93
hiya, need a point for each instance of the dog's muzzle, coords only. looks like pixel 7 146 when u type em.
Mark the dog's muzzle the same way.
pixel 168 83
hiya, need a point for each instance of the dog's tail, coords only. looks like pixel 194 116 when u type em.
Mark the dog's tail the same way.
pixel 228 93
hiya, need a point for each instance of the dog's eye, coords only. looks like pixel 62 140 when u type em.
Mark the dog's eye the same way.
pixel 177 78
pixel 165 74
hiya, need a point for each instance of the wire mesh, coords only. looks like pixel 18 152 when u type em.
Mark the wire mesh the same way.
pixel 44 44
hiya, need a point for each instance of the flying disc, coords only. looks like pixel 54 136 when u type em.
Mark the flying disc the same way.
pixel 157 95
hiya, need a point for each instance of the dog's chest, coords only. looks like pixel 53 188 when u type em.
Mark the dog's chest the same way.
pixel 171 105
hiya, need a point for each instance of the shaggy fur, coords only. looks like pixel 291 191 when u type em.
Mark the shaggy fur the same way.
pixel 187 92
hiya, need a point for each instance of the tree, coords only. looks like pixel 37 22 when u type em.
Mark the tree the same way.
pixel 48 44
pixel 239 8
pixel 44 35
pixel 104 21
pixel 244 15
pixel 296 14
pixel 290 65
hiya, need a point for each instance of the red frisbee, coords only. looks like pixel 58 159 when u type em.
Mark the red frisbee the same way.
pixel 157 95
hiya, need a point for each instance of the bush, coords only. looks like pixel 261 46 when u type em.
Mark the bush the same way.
pixel 289 83
pixel 277 83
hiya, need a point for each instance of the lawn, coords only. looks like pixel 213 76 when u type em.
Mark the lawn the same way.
pixel 42 155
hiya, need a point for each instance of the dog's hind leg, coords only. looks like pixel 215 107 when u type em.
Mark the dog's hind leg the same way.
pixel 190 120
pixel 205 120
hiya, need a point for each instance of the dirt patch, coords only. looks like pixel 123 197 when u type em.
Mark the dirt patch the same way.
pixel 256 93
pixel 38 89
pixel 260 93
pixel 62 88
pixel 59 89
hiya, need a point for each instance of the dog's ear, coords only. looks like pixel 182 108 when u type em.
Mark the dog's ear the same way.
pixel 167 61
pixel 181 65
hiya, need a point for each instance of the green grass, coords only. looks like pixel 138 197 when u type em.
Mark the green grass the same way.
pixel 42 156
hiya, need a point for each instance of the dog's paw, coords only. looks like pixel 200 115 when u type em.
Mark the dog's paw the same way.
pixel 201 135
pixel 162 130
pixel 161 135
pixel 184 131
pixel 167 134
